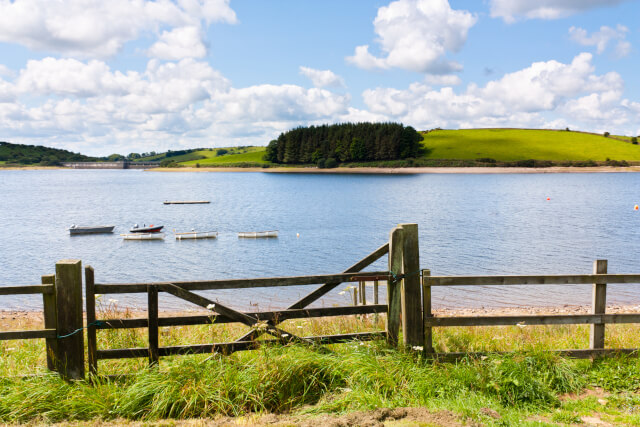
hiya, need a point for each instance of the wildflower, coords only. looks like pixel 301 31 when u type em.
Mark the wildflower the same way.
pixel 521 324
pixel 261 325
pixel 285 335
pixel 211 306
pixel 418 348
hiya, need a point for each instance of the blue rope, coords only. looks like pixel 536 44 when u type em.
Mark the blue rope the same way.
pixel 397 278
pixel 96 323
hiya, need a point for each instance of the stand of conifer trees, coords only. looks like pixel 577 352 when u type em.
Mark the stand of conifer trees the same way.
pixel 345 142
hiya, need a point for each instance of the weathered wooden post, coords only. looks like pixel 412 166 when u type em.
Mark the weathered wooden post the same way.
pixel 426 304
pixel 599 304
pixel 152 311
pixel 70 355
pixel 363 292
pixel 396 249
pixel 49 306
pixel 90 298
pixel 412 330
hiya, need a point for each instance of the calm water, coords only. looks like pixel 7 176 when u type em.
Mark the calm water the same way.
pixel 469 224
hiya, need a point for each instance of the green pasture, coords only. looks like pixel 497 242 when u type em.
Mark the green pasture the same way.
pixel 524 144
pixel 246 155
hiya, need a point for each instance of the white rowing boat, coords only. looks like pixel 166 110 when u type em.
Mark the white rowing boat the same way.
pixel 143 236
pixel 258 234
pixel 197 235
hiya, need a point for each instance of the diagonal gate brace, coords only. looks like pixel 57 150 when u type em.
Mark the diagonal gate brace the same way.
pixel 324 289
pixel 238 316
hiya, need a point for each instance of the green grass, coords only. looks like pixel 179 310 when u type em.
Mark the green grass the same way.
pixel 252 155
pixel 523 144
pixel 522 388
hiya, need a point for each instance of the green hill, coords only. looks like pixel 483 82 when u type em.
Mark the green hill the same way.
pixel 37 154
pixel 522 144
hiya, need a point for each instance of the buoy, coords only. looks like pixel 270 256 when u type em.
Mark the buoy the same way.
pixel 548 198
pixel 635 208
pixel 298 234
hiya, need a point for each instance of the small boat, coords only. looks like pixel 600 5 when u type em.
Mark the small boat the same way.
pixel 96 229
pixel 197 235
pixel 186 202
pixel 143 236
pixel 145 229
pixel 258 234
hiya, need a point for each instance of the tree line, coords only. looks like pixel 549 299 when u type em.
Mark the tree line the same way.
pixel 346 142
pixel 37 154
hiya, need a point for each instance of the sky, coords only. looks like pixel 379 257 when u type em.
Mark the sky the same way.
pixel 121 76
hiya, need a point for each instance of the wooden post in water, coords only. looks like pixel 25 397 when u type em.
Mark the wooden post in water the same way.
pixel 599 304
pixel 49 306
pixel 70 357
pixel 152 310
pixel 396 249
pixel 412 331
pixel 92 342
pixel 426 304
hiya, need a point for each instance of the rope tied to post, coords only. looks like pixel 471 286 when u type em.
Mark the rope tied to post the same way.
pixel 95 323
pixel 399 277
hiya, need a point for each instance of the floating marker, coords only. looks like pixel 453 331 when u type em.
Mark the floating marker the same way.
pixel 548 198
pixel 298 234
pixel 635 208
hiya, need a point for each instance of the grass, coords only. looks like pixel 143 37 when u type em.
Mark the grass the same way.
pixel 522 388
pixel 251 155
pixel 523 144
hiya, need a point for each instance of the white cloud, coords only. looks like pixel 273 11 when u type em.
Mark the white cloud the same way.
pixel 179 43
pixel 511 10
pixel 523 98
pixel 602 38
pixel 416 35
pixel 94 28
pixel 322 78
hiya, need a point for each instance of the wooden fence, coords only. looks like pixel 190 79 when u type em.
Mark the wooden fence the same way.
pixel 64 326
pixel 597 319
pixel 408 304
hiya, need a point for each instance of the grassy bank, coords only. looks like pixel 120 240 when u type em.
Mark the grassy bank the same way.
pixel 525 388
pixel 511 145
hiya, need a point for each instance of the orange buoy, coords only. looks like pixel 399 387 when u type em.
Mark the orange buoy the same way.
pixel 635 208
pixel 548 198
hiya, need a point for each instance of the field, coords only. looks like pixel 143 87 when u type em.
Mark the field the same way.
pixel 523 144
pixel 234 156
pixel 301 385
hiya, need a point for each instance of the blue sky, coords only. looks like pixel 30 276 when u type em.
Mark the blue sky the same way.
pixel 140 75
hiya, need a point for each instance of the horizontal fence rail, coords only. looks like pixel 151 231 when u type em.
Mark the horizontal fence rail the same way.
pixel 204 285
pixel 597 319
pixel 577 279
pixel 26 290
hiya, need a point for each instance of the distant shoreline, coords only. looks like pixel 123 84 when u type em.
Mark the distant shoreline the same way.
pixel 375 170
pixel 410 171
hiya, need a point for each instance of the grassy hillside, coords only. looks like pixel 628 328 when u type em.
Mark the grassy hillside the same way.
pixel 37 154
pixel 523 144
pixel 234 156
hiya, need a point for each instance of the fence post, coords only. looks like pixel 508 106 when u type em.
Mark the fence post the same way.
pixel 411 296
pixel 396 249
pixel 70 357
pixel 599 304
pixel 92 343
pixel 152 312
pixel 426 303
pixel 49 308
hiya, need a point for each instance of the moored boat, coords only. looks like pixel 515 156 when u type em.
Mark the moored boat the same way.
pixel 145 229
pixel 258 234
pixel 197 235
pixel 143 236
pixel 95 229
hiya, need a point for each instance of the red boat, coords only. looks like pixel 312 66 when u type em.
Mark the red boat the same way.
pixel 144 229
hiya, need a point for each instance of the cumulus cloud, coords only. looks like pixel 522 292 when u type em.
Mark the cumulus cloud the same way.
pixel 443 80
pixel 416 35
pixel 322 78
pixel 187 103
pixel 182 42
pixel 511 10
pixel 94 28
pixel 601 39
pixel 522 98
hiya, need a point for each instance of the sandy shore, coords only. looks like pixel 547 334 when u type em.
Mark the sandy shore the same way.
pixel 409 171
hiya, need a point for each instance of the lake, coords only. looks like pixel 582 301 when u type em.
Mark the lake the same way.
pixel 468 224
